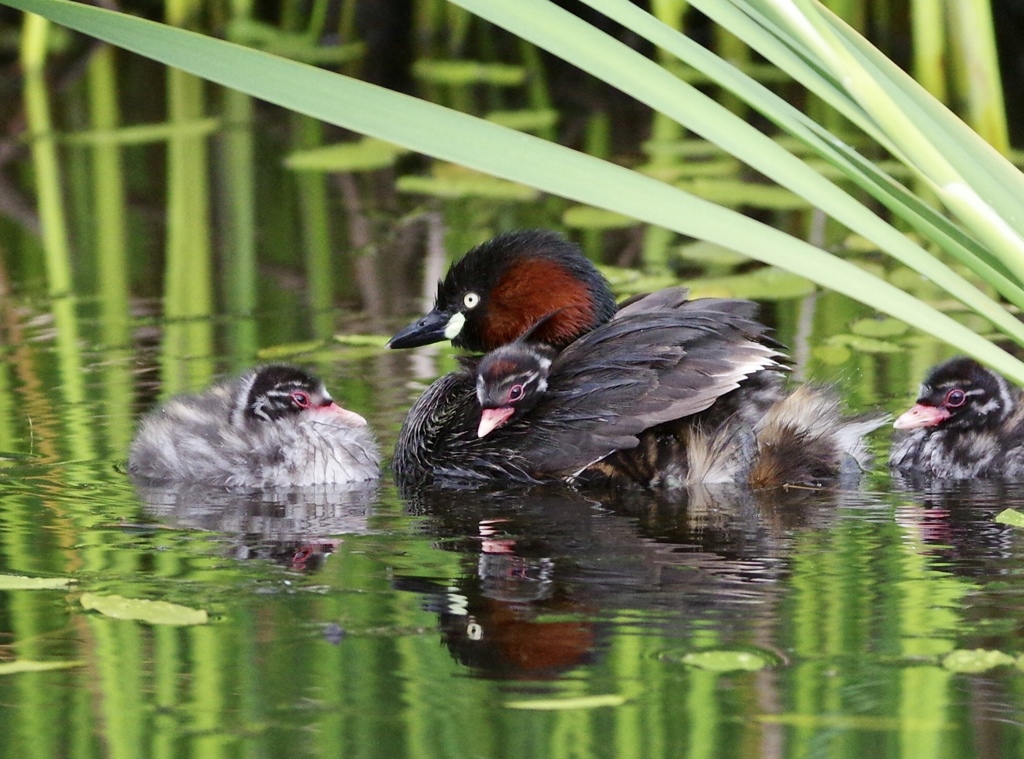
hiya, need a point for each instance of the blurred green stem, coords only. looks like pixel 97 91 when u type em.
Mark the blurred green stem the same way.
pixel 111 230
pixel 238 198
pixel 35 34
pixel 314 216
pixel 188 294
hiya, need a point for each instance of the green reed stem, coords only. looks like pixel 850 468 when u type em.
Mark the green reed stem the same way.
pixel 188 291
pixel 981 84
pixel 314 215
pixel 81 431
pixel 111 222
pixel 111 233
pixel 929 36
pixel 35 34
pixel 119 685
pixel 238 198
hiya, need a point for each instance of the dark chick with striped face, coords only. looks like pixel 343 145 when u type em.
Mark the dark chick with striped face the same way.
pixel 273 426
pixel 967 422
pixel 509 382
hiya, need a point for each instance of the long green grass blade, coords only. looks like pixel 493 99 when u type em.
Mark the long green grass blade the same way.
pixel 512 155
pixel 613 62
pixel 865 174
pixel 970 176
pixel 900 107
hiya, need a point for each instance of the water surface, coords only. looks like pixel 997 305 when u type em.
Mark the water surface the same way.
pixel 544 622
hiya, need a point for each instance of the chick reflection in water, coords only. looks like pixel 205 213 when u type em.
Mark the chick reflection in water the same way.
pixel 274 426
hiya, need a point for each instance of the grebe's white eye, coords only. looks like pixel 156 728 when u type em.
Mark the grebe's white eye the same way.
pixel 515 393
pixel 470 300
pixel 301 399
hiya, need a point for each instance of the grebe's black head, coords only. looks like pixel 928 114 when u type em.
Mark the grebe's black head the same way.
pixel 279 391
pixel 502 287
pixel 960 394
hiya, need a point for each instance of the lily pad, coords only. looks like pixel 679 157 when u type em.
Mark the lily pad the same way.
pixel 859 244
pixel 360 341
pixel 711 255
pixel 296 45
pixel 630 281
pixel 1011 517
pixel 861 344
pixel 691 170
pixel 733 192
pixel 142 610
pixel 366 154
pixel 273 352
pixel 465 184
pixel 767 284
pixel 27 665
pixel 833 354
pixel 588 217
pixel 725 661
pixel 14 582
pixel 978 660
pixel 525 121
pixel 565 704
pixel 680 148
pixel 462 73
pixel 886 327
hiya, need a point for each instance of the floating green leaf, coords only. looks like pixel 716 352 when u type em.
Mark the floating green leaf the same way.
pixel 295 45
pixel 458 183
pixel 734 192
pixel 373 341
pixel 525 121
pixel 27 665
pixel 462 73
pixel 833 353
pixel 565 704
pixel 861 344
pixel 14 582
pixel 978 660
pixel 718 169
pixel 142 610
pixel 725 661
pixel 588 217
pixel 284 350
pixel 631 281
pixel 767 283
pixel 366 154
pixel 887 327
pixel 1011 517
pixel 712 256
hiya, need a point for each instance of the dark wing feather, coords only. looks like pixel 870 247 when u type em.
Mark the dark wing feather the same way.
pixel 661 358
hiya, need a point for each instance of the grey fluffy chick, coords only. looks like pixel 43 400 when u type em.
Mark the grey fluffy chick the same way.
pixel 273 426
pixel 967 422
